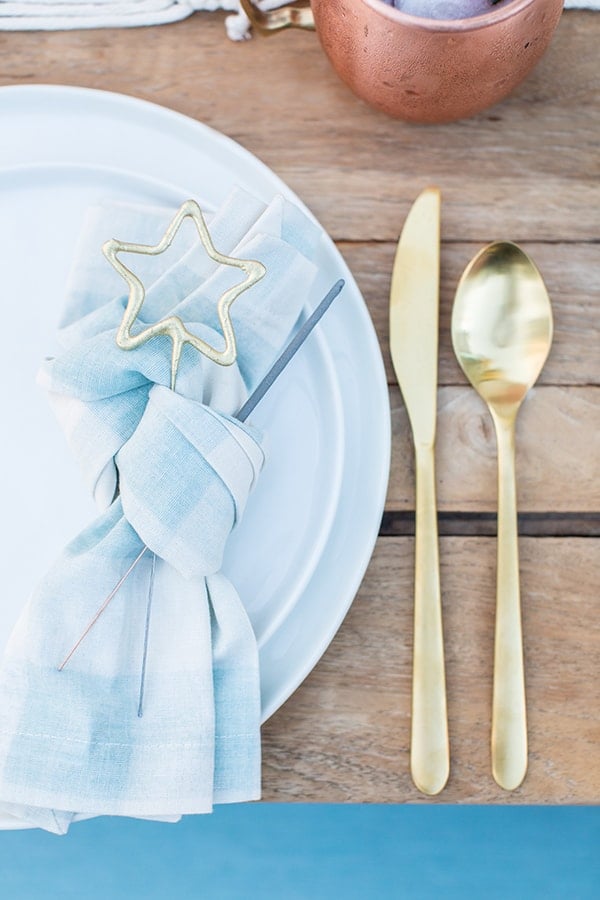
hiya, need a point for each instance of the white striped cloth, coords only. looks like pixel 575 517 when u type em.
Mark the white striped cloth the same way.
pixel 49 15
pixel 72 741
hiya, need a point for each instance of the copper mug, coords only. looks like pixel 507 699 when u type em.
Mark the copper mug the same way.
pixel 423 70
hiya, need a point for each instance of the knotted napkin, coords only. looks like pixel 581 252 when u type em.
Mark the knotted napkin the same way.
pixel 172 470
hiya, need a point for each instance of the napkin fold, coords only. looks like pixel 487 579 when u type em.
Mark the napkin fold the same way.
pixel 171 470
pixel 50 15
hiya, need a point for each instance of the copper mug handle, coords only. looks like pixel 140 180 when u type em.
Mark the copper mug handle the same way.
pixel 292 16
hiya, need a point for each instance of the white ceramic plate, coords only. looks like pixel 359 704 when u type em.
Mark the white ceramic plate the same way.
pixel 307 535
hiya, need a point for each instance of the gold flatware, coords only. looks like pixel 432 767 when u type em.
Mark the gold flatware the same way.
pixel 502 332
pixel 414 302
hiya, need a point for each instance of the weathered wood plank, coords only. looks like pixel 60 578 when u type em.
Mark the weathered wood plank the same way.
pixel 572 276
pixel 558 464
pixel 528 166
pixel 344 735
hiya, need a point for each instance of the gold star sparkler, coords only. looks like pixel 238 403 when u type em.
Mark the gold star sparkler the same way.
pixel 172 326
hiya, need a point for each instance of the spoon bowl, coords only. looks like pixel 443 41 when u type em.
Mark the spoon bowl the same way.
pixel 502 324
pixel 501 333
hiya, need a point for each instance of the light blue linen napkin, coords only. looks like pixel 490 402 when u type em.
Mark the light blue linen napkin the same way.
pixel 172 470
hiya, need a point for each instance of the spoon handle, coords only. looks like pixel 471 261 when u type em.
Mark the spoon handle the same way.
pixel 429 754
pixel 509 720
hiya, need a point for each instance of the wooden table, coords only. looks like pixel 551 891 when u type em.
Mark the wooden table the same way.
pixel 525 170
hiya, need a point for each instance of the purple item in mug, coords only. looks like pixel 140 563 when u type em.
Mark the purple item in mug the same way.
pixel 446 9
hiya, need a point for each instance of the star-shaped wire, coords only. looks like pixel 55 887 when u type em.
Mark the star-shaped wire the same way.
pixel 172 326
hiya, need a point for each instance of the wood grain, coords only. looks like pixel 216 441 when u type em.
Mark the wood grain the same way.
pixel 526 170
pixel 344 735
pixel 530 164
pixel 558 464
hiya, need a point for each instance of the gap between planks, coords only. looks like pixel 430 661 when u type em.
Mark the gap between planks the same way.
pixel 401 523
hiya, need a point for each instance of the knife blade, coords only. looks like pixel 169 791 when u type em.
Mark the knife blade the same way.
pixel 414 310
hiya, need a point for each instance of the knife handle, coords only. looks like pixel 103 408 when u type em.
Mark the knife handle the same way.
pixel 429 752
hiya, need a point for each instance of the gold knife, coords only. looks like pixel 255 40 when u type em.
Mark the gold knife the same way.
pixel 414 305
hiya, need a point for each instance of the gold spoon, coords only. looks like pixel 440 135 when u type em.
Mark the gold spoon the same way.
pixel 501 332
